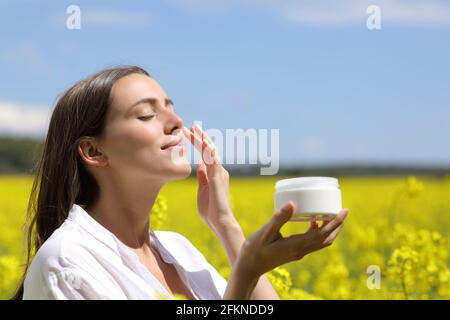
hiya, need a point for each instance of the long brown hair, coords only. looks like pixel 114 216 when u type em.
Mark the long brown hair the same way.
pixel 60 176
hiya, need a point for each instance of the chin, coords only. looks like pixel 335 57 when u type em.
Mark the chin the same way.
pixel 181 171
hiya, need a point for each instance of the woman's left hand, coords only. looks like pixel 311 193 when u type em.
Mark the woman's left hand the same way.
pixel 213 196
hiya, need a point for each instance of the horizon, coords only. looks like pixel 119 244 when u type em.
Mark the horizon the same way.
pixel 337 91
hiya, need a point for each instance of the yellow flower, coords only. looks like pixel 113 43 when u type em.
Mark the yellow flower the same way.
pixel 281 280
pixel 413 186
pixel 179 296
pixel 9 274
pixel 158 214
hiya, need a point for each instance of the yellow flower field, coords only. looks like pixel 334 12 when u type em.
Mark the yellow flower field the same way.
pixel 397 226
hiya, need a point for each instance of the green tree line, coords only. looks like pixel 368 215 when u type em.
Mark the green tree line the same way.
pixel 19 155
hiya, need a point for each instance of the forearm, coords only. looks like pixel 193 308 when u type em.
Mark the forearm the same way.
pixel 240 285
pixel 232 237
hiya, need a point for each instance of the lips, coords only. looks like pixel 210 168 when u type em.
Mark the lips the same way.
pixel 176 141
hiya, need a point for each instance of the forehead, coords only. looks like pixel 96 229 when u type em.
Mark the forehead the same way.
pixel 132 88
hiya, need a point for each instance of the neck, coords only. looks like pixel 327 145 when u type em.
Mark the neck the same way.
pixel 124 209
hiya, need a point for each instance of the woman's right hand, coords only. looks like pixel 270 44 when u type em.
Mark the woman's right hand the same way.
pixel 267 249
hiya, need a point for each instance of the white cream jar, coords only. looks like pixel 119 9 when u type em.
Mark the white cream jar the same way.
pixel 318 197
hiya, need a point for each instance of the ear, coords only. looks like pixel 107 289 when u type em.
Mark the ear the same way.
pixel 90 152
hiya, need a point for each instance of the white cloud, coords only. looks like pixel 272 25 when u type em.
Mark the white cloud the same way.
pixel 328 12
pixel 23 120
pixel 205 5
pixel 418 12
pixel 109 17
pixel 343 12
pixel 321 13
pixel 104 17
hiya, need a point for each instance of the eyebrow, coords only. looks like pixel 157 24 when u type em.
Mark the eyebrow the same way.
pixel 152 101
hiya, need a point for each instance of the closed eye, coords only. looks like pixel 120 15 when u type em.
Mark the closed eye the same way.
pixel 146 118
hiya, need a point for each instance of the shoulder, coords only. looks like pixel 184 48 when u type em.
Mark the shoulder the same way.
pixel 66 243
pixel 61 268
pixel 66 250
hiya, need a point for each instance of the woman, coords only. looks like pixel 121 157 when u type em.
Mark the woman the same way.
pixel 109 150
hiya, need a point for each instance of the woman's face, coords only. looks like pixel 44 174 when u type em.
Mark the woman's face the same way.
pixel 140 123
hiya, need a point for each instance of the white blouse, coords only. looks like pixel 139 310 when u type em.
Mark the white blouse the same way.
pixel 84 260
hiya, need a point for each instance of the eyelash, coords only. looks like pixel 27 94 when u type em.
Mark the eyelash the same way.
pixel 146 118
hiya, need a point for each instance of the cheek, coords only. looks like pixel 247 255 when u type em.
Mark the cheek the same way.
pixel 131 141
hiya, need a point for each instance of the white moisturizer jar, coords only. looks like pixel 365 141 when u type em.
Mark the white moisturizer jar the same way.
pixel 317 197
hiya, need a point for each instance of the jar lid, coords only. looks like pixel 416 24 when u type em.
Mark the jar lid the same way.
pixel 307 182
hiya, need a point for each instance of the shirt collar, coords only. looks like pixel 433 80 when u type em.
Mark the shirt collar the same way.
pixel 81 217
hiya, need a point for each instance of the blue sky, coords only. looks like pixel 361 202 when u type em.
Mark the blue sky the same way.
pixel 338 92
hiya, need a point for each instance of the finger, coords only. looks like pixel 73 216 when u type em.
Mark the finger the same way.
pixel 187 133
pixel 207 138
pixel 211 147
pixel 326 220
pixel 330 239
pixel 273 227
pixel 199 144
pixel 314 224
pixel 208 154
pixel 202 133
pixel 206 148
pixel 202 174
pixel 333 224
pixel 204 136
pixel 197 128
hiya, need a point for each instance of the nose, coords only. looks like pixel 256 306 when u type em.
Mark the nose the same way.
pixel 173 122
